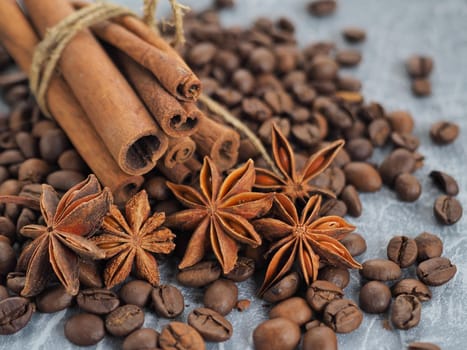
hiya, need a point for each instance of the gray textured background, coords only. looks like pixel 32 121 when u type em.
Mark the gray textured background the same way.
pixel 396 29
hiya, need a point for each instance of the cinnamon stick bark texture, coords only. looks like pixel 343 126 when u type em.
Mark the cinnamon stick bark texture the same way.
pixel 166 110
pixel 119 117
pixel 179 173
pixel 179 151
pixel 218 141
pixel 18 37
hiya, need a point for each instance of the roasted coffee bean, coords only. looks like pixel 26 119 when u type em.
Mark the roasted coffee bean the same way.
pixel 228 97
pixel 374 297
pixel 124 320
pixel 295 309
pixel 11 156
pixel 243 81
pixel 15 281
pixel 135 292
pixel 52 144
pixel 444 132
pixel 359 149
pixel 144 338
pixel 419 66
pixel 351 198
pixel 428 246
pixel 323 68
pixel 406 311
pixel 347 83
pixel 348 58
pixel 402 250
pixel 322 338
pixel 156 188
pixel 221 296
pixel 342 315
pixel 322 8
pixel 10 187
pixel 7 258
pixel 355 131
pixel 276 334
pixel 337 180
pixel 303 92
pixel 333 207
pixel 34 170
pixel 98 301
pixel 413 287
pixel 397 162
pixel 283 289
pixel 354 34
pixel 401 121
pixel 168 301
pixel 243 269
pixel 421 87
pixel 199 274
pixel 71 160
pixel 445 182
pixel 264 131
pixel 15 313
pixel 262 60
pixel 41 127
pixel 320 293
pixel 380 270
pixel 255 109
pixel 84 329
pixel 336 116
pixel 404 140
pixel 355 243
pixel 342 158
pixel 3 293
pixel 378 131
pixel 423 346
pixel 436 271
pixel 53 300
pixel 337 275
pixel 306 134
pixel 201 53
pixel 26 217
pixel 210 324
pixel 363 176
pixel 63 180
pixel 180 336
pixel 448 210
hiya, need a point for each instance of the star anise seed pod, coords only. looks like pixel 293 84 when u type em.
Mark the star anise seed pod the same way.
pixel 219 214
pixel 304 240
pixel 57 246
pixel 132 241
pixel 295 183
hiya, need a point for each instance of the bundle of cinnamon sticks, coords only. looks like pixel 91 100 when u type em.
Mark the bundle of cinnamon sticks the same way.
pixel 124 96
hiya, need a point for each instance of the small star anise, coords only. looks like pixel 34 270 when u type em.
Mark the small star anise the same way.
pixel 219 214
pixel 132 241
pixel 295 183
pixel 305 239
pixel 57 246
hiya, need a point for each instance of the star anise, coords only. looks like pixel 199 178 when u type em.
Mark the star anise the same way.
pixel 132 241
pixel 295 183
pixel 219 214
pixel 57 246
pixel 304 240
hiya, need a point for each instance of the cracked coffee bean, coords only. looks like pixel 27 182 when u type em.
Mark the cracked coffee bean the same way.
pixel 402 250
pixel 243 269
pixel 413 287
pixel 178 335
pixel 406 311
pixel 168 301
pixel 124 320
pixel 447 210
pixel 84 329
pixel 436 271
pixel 342 315
pixel 320 293
pixel 444 132
pixel 98 301
pixel 374 297
pixel 210 324
pixel 15 313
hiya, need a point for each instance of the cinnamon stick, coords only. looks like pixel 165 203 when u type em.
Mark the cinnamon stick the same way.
pixel 179 173
pixel 179 151
pixel 118 116
pixel 18 37
pixel 218 141
pixel 166 110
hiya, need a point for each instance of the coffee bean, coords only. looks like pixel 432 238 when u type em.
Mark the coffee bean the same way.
pixel 168 301
pixel 306 134
pixel 63 180
pixel 144 338
pixel 262 60
pixel 342 315
pixel 419 66
pixel 348 58
pixel 41 127
pixel 283 289
pixel 406 311
pixel 333 207
pixel 402 250
pixel 359 149
pixel 336 116
pixel 156 188
pixel 303 92
pixel 337 275
pixel 243 81
pixel 428 246
pixel 15 313
pixel 180 336
pixel 276 334
pixel 53 300
pixel 445 182
pixel 71 160
pixel 34 170
pixel 347 83
pixel 135 292
pixel 210 324
pixel 355 243
pixel 243 269
pixel 413 287
pixel 401 121
pixel 421 87
pixel 444 132
pixel 3 293
pixel 15 281
pixel 124 320
pixel 7 258
pixel 436 271
pixel 447 210
pixel 356 131
pixel 221 296
pixel 320 293
pixel 295 309
pixel 322 338
pixel 423 346
pixel 255 109
pixel 199 274
pixel 380 270
pixel 10 187
pixel 374 297
pixel 323 68
pixel 351 199
pixel 354 34
pixel 342 158
pixel 378 131
pixel 363 176
pixel 405 140
pixel 98 301
pixel 201 53
pixel 52 144
pixel 11 156
pixel 84 329
pixel 397 162
pixel 322 8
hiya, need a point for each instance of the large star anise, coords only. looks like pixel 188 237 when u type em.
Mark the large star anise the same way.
pixel 219 214
pixel 306 240
pixel 132 241
pixel 57 245
pixel 295 183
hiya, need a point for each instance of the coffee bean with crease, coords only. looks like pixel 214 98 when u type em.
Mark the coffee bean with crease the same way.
pixel 178 335
pixel 15 313
pixel 168 301
pixel 210 324
pixel 413 287
pixel 419 66
pixel 444 132
pixel 320 293
pixel 379 131
pixel 124 320
pixel 406 311
pixel 283 289
pixel 402 250
pixel 448 210
pixel 98 301
pixel 436 271
pixel 405 140
pixel 243 269
pixel 342 315
pixel 445 182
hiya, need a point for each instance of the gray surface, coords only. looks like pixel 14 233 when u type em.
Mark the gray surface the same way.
pixel 396 30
